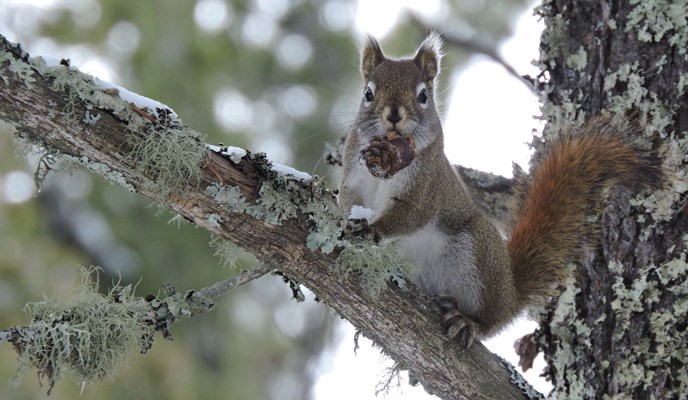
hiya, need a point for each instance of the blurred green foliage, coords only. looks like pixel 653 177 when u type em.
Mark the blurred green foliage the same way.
pixel 286 74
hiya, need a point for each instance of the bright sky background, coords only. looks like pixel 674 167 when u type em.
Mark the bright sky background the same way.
pixel 488 123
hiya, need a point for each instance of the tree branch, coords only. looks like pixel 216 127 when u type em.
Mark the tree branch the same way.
pixel 280 219
pixel 242 278
pixel 476 45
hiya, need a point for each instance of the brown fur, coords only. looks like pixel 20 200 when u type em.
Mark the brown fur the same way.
pixel 565 189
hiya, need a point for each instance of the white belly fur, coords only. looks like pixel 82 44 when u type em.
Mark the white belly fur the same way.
pixel 445 265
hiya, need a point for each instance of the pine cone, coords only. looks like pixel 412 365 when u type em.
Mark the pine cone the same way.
pixel 388 154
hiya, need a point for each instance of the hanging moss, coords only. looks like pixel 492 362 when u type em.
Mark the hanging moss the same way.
pixel 230 254
pixel 171 155
pixel 376 264
pixel 88 337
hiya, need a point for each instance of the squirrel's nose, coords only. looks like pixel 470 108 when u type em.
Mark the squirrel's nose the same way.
pixel 394 115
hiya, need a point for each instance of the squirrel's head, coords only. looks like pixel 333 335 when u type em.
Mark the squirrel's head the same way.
pixel 399 94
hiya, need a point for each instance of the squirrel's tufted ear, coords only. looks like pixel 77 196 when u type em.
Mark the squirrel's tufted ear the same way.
pixel 428 56
pixel 371 56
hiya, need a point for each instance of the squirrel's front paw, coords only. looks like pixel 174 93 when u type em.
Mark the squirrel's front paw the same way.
pixel 389 154
pixel 361 228
pixel 458 326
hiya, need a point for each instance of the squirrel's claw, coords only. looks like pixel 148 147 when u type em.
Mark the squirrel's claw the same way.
pixel 458 326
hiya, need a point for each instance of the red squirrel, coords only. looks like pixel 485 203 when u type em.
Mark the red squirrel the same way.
pixel 480 280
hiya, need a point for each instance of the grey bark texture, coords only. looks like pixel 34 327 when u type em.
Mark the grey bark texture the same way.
pixel 622 333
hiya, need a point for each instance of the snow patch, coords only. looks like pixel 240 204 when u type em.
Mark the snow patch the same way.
pixel 235 154
pixel 284 170
pixel 359 212
pixel 131 97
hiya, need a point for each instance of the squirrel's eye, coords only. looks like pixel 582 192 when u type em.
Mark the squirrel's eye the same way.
pixel 423 97
pixel 368 95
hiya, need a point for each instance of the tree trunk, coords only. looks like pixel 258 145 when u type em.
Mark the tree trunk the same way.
pixel 624 333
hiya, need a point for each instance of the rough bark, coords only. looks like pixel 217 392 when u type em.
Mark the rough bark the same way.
pixel 624 333
pixel 401 320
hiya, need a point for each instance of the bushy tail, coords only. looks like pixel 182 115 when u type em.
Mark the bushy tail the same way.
pixel 552 223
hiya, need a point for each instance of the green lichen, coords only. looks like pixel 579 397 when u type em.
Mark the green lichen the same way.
pixel 170 155
pixel 229 196
pixel 19 67
pixel 655 19
pixel 110 175
pixel 273 206
pixel 164 149
pixel 565 316
pixel 174 305
pixel 561 117
pixel 90 119
pixel 637 366
pixel 328 226
pixel 662 203
pixel 517 379
pixel 284 196
pixel 87 338
pixel 634 94
pixel 231 255
pixel 682 82
pixel 214 220
pixel 375 263
pixel 555 35
pixel 578 60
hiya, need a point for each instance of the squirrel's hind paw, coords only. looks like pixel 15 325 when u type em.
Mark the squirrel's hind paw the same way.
pixel 457 325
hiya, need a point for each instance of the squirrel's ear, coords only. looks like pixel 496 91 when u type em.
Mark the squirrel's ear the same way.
pixel 429 55
pixel 371 56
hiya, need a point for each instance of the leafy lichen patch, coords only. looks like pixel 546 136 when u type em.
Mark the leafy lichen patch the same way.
pixel 655 19
pixel 578 60
pixel 285 195
pixel 19 67
pixel 634 300
pixel 662 203
pixel 110 175
pixel 90 119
